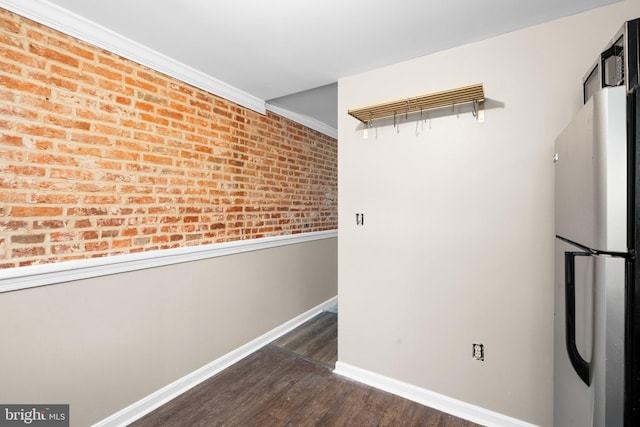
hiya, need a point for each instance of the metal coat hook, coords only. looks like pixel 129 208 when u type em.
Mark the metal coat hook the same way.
pixel 475 108
pixel 453 106
pixel 394 119
pixel 406 112
pixel 370 122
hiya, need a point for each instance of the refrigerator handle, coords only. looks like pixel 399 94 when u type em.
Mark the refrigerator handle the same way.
pixel 580 365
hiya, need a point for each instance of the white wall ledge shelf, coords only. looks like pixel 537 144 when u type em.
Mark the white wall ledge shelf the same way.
pixel 13 279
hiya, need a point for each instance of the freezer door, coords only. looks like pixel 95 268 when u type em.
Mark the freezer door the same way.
pixel 590 174
pixel 574 178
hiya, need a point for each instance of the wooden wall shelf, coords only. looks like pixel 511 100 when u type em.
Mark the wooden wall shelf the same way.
pixel 447 98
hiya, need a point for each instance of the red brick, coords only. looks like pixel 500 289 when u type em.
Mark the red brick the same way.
pixel 9 26
pixel 101 200
pixel 110 130
pixel 52 159
pixel 145 106
pixel 140 160
pixel 64 249
pixel 67 123
pixel 11 140
pixel 31 211
pixel 23 170
pixel 53 55
pixel 123 100
pixel 18 112
pixel 62 237
pixel 139 84
pixel 37 32
pixel 89 235
pixel 135 125
pixel 129 232
pixel 52 198
pixel 157 159
pixel 152 118
pixel 122 243
pixel 27 252
pixel 114 62
pixel 13 225
pixel 103 72
pixel 48 224
pixel 123 155
pixel 141 200
pixel 94 115
pixel 37 130
pixel 23 86
pixel 116 87
pixel 97 246
pixel 109 222
pixel 151 98
pixel 91 139
pixel 152 77
pixel 72 174
pixel 40 103
pixel 73 48
pixel 8 68
pixel 82 223
pixel 10 54
pixel 52 81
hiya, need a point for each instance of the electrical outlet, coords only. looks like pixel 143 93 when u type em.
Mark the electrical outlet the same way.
pixel 478 352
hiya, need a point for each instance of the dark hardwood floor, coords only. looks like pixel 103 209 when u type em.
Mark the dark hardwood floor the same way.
pixel 315 340
pixel 290 383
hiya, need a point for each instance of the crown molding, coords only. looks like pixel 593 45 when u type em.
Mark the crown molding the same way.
pixel 74 25
pixel 304 120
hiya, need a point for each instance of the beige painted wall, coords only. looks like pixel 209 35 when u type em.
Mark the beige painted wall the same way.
pixel 457 246
pixel 104 343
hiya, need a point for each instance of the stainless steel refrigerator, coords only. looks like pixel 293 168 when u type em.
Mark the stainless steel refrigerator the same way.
pixel 596 354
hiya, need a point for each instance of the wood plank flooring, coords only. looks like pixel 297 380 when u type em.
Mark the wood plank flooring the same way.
pixel 316 340
pixel 290 383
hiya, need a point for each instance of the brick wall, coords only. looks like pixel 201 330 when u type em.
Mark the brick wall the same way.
pixel 101 156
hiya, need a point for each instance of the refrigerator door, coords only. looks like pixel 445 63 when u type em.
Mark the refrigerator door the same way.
pixel 591 175
pixel 607 364
pixel 591 215
pixel 573 399
pixel 598 328
pixel 632 344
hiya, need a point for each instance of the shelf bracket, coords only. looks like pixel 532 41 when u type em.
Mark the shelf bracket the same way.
pixel 479 108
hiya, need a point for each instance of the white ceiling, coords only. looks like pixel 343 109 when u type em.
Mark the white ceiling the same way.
pixel 292 52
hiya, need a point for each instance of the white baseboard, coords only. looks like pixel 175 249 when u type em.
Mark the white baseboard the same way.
pixel 165 394
pixel 428 398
